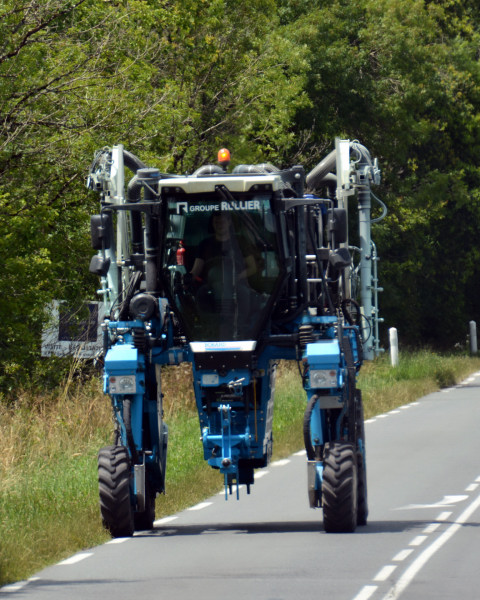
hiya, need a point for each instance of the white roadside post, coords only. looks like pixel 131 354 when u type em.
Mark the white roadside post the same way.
pixel 392 332
pixel 473 337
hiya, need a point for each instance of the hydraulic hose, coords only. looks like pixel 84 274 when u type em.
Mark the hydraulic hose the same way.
pixel 132 162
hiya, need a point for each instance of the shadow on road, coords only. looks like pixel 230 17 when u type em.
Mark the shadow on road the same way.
pixel 373 527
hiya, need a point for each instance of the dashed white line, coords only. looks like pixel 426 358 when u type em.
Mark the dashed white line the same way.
pixel 75 559
pixel 200 506
pixel 407 577
pixel 443 516
pixel 119 540
pixel 280 463
pixel 165 520
pixel 418 540
pixel 366 592
pixel 472 487
pixel 14 587
pixel 260 474
pixel 431 528
pixel 385 573
pixel 402 555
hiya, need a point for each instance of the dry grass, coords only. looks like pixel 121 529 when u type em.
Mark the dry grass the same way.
pixel 48 500
pixel 49 444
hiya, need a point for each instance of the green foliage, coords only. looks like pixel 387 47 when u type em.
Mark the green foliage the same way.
pixel 404 78
pixel 273 80
pixel 173 82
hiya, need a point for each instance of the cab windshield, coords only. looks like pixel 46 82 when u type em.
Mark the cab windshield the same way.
pixel 220 264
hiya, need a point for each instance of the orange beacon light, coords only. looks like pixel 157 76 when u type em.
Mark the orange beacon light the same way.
pixel 224 157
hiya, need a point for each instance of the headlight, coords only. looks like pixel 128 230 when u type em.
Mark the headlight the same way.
pixel 323 378
pixel 122 384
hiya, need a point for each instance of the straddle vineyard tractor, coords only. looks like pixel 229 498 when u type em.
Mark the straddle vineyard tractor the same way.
pixel 233 271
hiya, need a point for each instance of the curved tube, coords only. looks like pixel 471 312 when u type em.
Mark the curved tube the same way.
pixel 132 162
pixel 208 170
pixel 317 174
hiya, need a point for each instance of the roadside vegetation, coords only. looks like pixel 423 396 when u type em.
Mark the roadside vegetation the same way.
pixel 272 80
pixel 49 444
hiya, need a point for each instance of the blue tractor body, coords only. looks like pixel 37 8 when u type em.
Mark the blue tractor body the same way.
pixel 230 272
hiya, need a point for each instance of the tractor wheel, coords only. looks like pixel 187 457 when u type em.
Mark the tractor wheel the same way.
pixel 144 520
pixel 339 488
pixel 114 477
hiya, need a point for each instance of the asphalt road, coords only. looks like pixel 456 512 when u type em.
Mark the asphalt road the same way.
pixel 421 541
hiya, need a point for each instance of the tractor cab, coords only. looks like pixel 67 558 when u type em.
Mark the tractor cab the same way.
pixel 222 265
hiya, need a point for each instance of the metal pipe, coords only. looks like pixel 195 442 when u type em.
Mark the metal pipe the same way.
pixel 364 206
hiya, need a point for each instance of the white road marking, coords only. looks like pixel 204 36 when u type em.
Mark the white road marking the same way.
pixel 402 555
pixel 119 540
pixel 446 501
pixel 280 463
pixel 385 573
pixel 300 453
pixel 443 516
pixel 407 577
pixel 164 520
pixel 200 505
pixel 14 587
pixel 76 558
pixel 431 528
pixel 418 540
pixel 366 592
pixel 472 487
pixel 260 474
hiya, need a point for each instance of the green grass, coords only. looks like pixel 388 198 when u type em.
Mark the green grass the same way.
pixel 49 444
pixel 384 387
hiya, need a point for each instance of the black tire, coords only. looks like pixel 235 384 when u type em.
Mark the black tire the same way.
pixel 114 477
pixel 144 520
pixel 339 488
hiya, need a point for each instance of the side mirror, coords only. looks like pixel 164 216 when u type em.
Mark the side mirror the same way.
pixel 340 259
pixel 337 225
pixel 99 265
pixel 101 231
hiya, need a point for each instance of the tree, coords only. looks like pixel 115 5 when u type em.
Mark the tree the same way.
pixel 172 81
pixel 403 77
